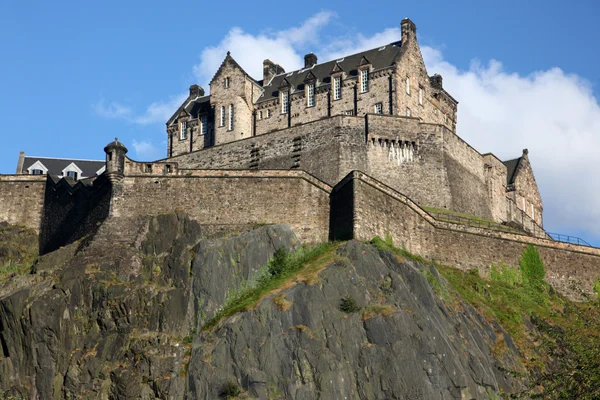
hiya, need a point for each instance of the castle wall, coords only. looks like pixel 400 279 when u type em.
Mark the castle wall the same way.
pixel 231 198
pixel 525 194
pixel 378 210
pixel 495 177
pixel 22 199
pixel 73 212
pixel 465 170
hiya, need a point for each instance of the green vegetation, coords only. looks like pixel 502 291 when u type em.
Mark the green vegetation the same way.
pixel 10 271
pixel 349 305
pixel 230 390
pixel 506 274
pixel 387 245
pixel 302 264
pixel 532 268
pixel 467 219
pixel 596 287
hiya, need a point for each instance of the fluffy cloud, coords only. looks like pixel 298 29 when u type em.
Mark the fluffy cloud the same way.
pixel 157 112
pixel 553 114
pixel 146 150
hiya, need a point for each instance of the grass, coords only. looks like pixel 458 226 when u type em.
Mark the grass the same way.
pixel 302 265
pixel 10 271
pixel 373 310
pixel 472 220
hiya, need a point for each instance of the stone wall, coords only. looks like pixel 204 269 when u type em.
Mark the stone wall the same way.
pixel 378 210
pixel 73 211
pixel 231 198
pixel 22 199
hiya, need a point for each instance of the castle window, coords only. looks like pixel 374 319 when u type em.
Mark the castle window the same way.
pixel 378 108
pixel 260 115
pixel 226 83
pixel 37 172
pixel 349 112
pixel 407 85
pixel 285 106
pixel 222 119
pixel 408 113
pixel 183 130
pixel 230 117
pixel 310 95
pixel 149 168
pixel 268 113
pixel 364 80
pixel 72 174
pixel 168 168
pixel 420 95
pixel 203 125
pixel 337 88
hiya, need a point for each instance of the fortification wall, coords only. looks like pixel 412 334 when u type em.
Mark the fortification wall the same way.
pixel 22 199
pixel 313 147
pixel 408 156
pixel 377 210
pixel 72 211
pixel 231 198
pixel 465 170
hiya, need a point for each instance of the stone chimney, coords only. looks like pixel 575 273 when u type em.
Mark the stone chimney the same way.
pixel 196 91
pixel 115 160
pixel 436 81
pixel 310 59
pixel 20 163
pixel 270 69
pixel 409 29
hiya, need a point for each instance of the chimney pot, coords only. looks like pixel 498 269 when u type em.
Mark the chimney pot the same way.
pixel 310 59
pixel 196 91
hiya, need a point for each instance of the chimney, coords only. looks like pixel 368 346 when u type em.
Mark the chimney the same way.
pixel 20 163
pixel 310 59
pixel 196 91
pixel 436 81
pixel 270 69
pixel 409 29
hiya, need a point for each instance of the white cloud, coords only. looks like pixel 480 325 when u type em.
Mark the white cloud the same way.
pixel 553 114
pixel 146 150
pixel 111 110
pixel 157 112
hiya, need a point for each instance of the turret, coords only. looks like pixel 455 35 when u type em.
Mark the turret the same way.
pixel 115 160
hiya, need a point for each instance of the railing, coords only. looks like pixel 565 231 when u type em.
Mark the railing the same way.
pixel 495 226
pixel 569 239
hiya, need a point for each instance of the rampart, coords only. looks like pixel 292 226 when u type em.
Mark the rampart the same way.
pixel 376 209
pixel 22 199
pixel 229 199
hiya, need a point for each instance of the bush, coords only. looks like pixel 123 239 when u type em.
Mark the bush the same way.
pixel 532 267
pixel 230 389
pixel 349 305
pixel 506 274
pixel 280 262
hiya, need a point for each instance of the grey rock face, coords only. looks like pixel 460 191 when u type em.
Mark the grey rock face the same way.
pixel 109 320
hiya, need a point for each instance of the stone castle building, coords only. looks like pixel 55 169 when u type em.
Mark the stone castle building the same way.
pixel 401 129
pixel 355 147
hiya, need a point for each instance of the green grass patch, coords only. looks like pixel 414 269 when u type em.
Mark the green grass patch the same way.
pixel 301 264
pixel 387 245
pixel 10 271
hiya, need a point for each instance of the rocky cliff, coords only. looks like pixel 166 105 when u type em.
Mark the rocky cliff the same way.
pixel 134 317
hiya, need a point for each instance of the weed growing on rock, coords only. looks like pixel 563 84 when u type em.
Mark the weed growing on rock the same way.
pixel 387 245
pixel 230 390
pixel 349 305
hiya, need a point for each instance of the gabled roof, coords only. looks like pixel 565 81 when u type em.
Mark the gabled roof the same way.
pixel 57 165
pixel 229 59
pixel 511 169
pixel 379 58
pixel 193 107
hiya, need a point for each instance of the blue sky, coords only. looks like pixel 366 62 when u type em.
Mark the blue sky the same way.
pixel 76 74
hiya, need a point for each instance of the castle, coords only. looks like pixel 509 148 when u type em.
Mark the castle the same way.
pixel 360 146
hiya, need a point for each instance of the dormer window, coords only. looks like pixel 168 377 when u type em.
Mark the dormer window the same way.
pixel 285 105
pixel 337 88
pixel 407 85
pixel 310 95
pixel 364 80
pixel 72 174
pixel 203 125
pixel 183 130
pixel 222 119
pixel 226 83
pixel 37 172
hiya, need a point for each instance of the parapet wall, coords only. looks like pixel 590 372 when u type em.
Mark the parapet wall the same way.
pixel 22 199
pixel 231 198
pixel 377 210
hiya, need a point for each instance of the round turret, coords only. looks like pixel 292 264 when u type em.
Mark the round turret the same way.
pixel 115 159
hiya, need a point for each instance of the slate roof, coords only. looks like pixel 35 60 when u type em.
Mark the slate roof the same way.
pixel 511 169
pixel 192 107
pixel 56 165
pixel 380 57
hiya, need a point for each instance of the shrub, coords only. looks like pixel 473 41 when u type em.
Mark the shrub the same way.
pixel 230 389
pixel 506 274
pixel 279 263
pixel 349 305
pixel 532 267
pixel 597 287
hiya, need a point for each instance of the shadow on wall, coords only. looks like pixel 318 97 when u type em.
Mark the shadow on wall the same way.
pixel 72 212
